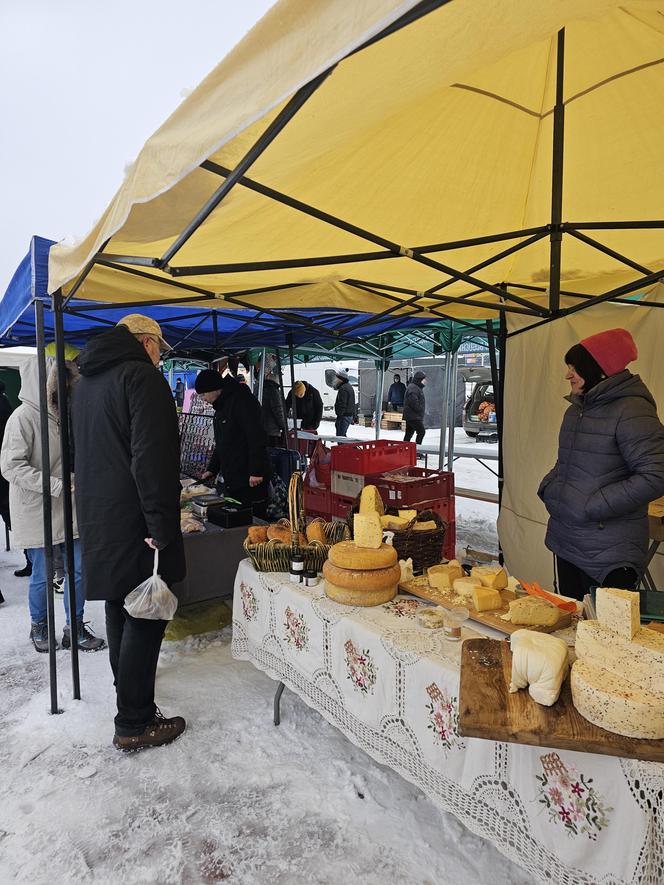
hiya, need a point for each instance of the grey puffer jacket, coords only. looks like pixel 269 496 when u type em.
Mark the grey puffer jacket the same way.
pixel 610 466
pixel 414 405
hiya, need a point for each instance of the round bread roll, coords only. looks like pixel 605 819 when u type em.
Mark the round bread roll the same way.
pixel 359 597
pixel 279 533
pixel 351 579
pixel 316 531
pixel 257 534
pixel 346 554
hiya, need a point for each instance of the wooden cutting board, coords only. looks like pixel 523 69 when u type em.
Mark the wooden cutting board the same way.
pixel 488 710
pixel 420 587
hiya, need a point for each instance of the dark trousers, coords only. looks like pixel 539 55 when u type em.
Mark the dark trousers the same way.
pixel 133 646
pixel 574 582
pixel 342 424
pixel 276 442
pixel 251 496
pixel 415 425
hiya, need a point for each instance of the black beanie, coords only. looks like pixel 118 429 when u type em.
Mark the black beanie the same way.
pixel 208 380
pixel 586 366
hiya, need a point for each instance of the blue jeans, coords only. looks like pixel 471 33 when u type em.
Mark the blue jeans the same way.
pixel 342 424
pixel 37 589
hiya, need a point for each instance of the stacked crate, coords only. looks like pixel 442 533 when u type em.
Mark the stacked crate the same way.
pixel 354 463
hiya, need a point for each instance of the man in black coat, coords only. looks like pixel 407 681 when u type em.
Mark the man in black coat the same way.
pixel 128 505
pixel 344 405
pixel 240 451
pixel 415 408
pixel 309 405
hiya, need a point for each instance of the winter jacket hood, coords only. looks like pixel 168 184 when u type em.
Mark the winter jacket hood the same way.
pixel 111 348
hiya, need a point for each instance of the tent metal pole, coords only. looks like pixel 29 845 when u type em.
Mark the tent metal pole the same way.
pixel 291 359
pixel 557 177
pixel 281 388
pixel 67 470
pixel 380 384
pixel 610 252
pixel 261 377
pixel 634 286
pixel 451 405
pixel 215 330
pixel 444 412
pixel 46 500
pixel 500 407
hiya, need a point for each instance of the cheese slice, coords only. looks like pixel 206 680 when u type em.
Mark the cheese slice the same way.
pixel 426 526
pixel 442 577
pixel 531 611
pixel 486 598
pixel 618 610
pixel 613 703
pixel 371 501
pixel 490 576
pixel 367 530
pixel 465 586
pixel 393 523
pixel 640 661
pixel 408 514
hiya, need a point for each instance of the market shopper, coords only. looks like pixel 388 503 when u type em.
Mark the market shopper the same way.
pixel 610 466
pixel 415 408
pixel 179 392
pixel 273 407
pixel 309 405
pixel 344 405
pixel 128 502
pixel 396 393
pixel 21 465
pixel 240 452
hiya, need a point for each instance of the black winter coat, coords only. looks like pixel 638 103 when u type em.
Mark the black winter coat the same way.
pixel 309 407
pixel 273 409
pixel 241 444
pixel 610 466
pixel 414 405
pixel 345 401
pixel 127 467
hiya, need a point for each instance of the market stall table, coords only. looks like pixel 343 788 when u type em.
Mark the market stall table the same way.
pixel 392 688
pixel 212 559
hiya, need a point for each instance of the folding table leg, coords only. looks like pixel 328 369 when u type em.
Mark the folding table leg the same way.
pixel 277 702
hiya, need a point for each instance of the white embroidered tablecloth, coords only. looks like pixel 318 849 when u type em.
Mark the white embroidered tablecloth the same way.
pixel 392 688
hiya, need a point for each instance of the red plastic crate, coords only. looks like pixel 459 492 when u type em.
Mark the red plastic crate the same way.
pixel 340 506
pixel 422 485
pixel 444 507
pixel 375 456
pixel 317 501
pixel 449 544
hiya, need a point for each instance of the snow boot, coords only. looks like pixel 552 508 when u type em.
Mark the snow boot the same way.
pixel 26 571
pixel 87 641
pixel 2 598
pixel 39 636
pixel 159 732
pixel 59 584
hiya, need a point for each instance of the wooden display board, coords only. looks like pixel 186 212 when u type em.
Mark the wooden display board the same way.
pixel 488 710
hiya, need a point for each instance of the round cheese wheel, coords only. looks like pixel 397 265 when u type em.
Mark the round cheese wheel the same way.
pixel 359 597
pixel 346 554
pixel 374 579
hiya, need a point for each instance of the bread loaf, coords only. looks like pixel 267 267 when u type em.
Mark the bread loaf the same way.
pixel 361 579
pixel 257 534
pixel 279 533
pixel 316 531
pixel 359 597
pixel 346 554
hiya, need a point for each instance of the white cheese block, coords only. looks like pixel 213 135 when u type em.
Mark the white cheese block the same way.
pixel 367 530
pixel 539 661
pixel 615 704
pixel 492 576
pixel 371 501
pixel 640 661
pixel 618 610
pixel 464 586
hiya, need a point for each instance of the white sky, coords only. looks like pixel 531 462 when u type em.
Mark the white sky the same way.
pixel 83 84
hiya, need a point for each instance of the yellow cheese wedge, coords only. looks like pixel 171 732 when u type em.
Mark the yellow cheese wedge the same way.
pixel 492 576
pixel 428 526
pixel 367 530
pixel 486 598
pixel 465 586
pixel 408 514
pixel 371 501
pixel 393 523
pixel 442 577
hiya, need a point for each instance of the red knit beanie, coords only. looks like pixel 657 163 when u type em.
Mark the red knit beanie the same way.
pixel 612 350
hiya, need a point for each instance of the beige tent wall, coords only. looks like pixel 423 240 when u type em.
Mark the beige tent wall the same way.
pixel 534 406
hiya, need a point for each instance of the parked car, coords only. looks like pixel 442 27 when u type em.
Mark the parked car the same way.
pixel 479 413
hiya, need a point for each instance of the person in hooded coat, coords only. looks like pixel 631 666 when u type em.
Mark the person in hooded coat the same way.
pixel 21 465
pixel 610 466
pixel 344 405
pixel 414 408
pixel 309 405
pixel 273 407
pixel 128 504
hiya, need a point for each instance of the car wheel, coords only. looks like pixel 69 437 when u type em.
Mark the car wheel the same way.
pixel 473 434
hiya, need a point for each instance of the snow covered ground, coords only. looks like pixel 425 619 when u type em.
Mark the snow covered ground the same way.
pixel 235 799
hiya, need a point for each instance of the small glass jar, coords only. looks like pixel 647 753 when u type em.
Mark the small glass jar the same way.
pixel 296 577
pixel 311 579
pixel 297 563
pixel 454 618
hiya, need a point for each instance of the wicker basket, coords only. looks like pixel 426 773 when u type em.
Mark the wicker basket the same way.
pixel 424 548
pixel 275 556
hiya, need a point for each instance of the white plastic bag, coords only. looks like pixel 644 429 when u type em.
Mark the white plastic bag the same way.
pixel 152 600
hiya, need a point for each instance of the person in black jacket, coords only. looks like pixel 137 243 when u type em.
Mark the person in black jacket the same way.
pixel 309 405
pixel 414 408
pixel 128 505
pixel 240 451
pixel 273 407
pixel 396 393
pixel 344 405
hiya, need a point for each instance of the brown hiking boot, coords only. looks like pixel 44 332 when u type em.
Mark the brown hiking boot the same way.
pixel 159 732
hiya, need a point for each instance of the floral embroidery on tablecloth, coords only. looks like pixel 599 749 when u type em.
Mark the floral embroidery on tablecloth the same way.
pixel 571 799
pixel 402 608
pixel 297 632
pixel 361 669
pixel 443 712
pixel 249 601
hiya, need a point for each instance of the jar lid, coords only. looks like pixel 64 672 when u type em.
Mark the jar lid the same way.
pixel 297 557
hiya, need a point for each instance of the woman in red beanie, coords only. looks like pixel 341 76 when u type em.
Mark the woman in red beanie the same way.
pixel 610 466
